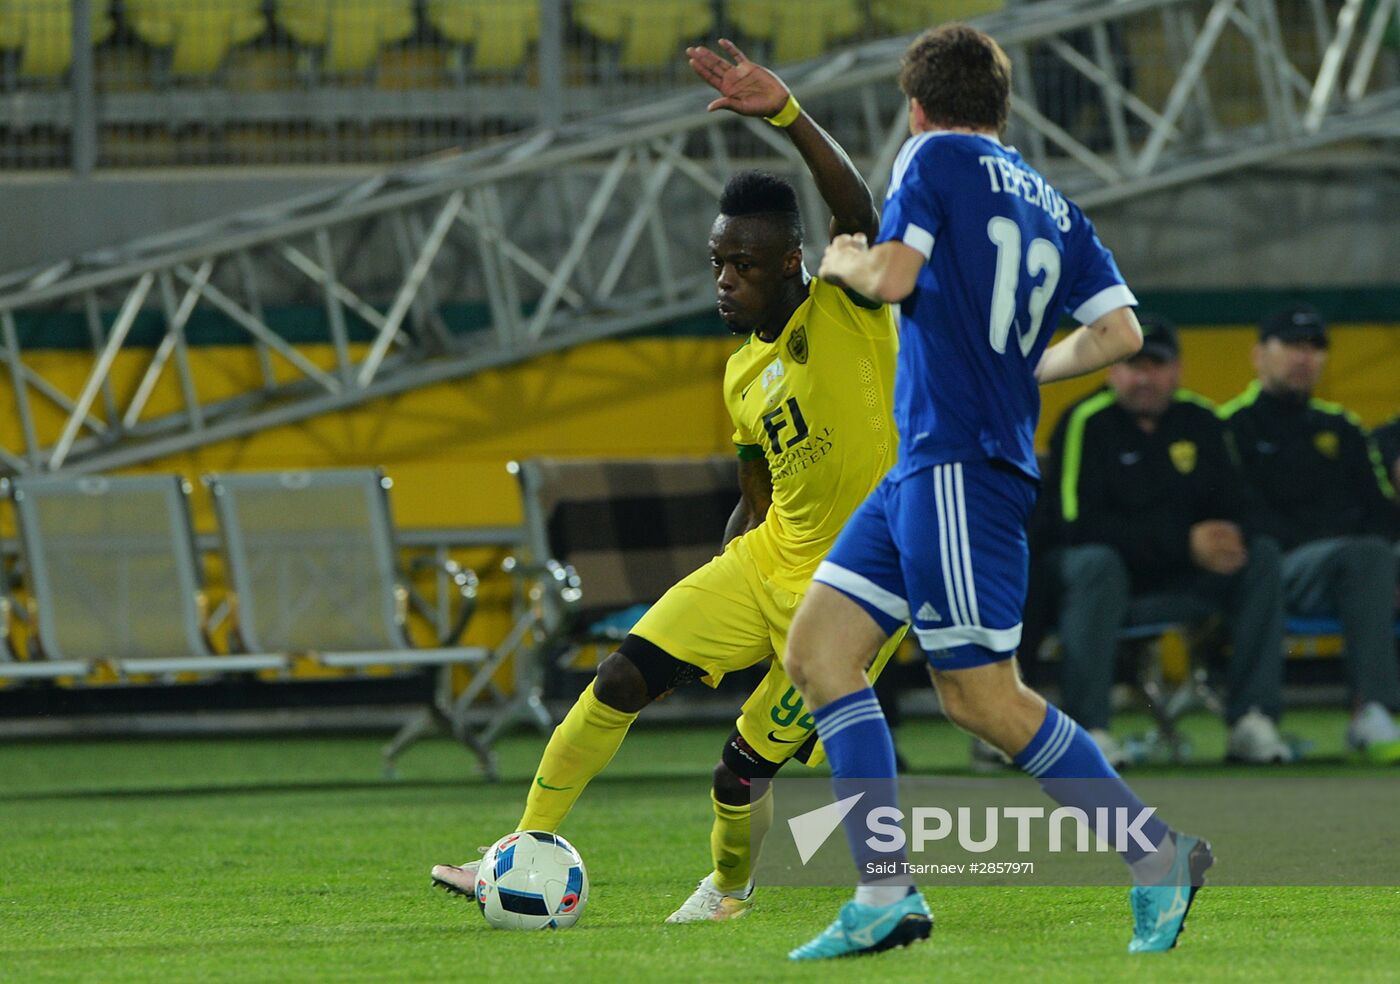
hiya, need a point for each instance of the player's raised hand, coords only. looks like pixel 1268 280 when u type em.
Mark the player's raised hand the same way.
pixel 842 255
pixel 745 87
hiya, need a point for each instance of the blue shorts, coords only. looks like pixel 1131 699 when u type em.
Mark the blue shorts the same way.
pixel 945 547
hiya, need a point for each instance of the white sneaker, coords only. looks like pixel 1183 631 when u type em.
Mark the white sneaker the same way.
pixel 459 879
pixel 1372 727
pixel 1254 738
pixel 1108 745
pixel 709 904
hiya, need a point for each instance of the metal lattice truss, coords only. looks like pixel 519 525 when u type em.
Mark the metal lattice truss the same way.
pixel 520 247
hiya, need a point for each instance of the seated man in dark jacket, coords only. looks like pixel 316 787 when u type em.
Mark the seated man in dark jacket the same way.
pixel 1387 438
pixel 1150 504
pixel 1328 503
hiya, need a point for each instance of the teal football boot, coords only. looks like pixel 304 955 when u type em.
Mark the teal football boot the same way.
pixel 870 929
pixel 1159 911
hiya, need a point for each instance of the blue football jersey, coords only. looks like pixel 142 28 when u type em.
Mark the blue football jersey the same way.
pixel 1007 256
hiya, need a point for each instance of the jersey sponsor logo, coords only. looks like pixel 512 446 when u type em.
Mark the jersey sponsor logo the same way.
pixel 1183 455
pixel 927 613
pixel 1327 443
pixel 797 346
pixel 773 737
pixel 795 462
pixel 784 418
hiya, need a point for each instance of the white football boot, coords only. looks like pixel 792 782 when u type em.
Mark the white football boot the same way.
pixel 709 904
pixel 459 879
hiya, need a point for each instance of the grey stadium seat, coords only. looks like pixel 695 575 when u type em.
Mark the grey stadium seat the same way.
pixel 116 579
pixel 312 562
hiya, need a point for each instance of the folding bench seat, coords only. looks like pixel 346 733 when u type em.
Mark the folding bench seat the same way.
pixel 605 538
pixel 41 31
pixel 115 579
pixel 199 34
pixel 913 16
pixel 650 33
pixel 795 31
pixel 349 33
pixel 499 32
pixel 313 564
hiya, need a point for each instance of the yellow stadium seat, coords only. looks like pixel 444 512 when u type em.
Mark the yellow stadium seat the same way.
pixel 652 33
pixel 42 31
pixel 351 32
pixel 198 34
pixel 499 30
pixel 909 16
pixel 795 31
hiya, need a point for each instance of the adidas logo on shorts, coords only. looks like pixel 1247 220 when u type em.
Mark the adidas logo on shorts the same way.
pixel 927 613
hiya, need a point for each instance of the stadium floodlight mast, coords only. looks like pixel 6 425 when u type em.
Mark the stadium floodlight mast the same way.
pixel 584 231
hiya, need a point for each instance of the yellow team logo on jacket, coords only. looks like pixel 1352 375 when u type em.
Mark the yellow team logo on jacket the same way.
pixel 1183 455
pixel 1327 444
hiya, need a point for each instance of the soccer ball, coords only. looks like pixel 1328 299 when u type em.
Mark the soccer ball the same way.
pixel 532 880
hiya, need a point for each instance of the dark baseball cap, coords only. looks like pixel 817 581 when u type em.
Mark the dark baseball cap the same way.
pixel 1295 323
pixel 1159 339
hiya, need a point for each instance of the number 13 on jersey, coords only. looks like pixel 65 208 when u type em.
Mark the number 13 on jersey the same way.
pixel 1041 259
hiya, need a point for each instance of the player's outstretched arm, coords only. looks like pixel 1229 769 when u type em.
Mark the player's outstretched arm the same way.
pixel 749 89
pixel 1113 337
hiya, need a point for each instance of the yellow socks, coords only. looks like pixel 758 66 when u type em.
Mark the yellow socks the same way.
pixel 736 829
pixel 580 748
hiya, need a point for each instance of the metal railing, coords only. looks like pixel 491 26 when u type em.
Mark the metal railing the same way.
pixel 560 236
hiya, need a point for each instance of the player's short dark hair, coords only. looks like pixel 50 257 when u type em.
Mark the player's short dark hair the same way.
pixel 765 195
pixel 960 76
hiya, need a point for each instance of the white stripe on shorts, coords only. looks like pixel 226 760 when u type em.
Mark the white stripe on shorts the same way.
pixel 945 537
pixel 997 640
pixel 863 588
pixel 970 584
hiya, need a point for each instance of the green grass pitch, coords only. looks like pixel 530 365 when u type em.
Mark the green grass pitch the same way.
pixel 291 860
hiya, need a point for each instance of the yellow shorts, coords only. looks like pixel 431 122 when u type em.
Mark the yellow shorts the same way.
pixel 729 616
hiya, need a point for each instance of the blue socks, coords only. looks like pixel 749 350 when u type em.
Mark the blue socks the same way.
pixel 1061 755
pixel 858 746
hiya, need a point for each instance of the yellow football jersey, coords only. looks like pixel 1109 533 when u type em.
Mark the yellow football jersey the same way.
pixel 818 404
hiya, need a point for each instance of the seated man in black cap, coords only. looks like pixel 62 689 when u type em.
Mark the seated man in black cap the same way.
pixel 1328 503
pixel 1154 525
